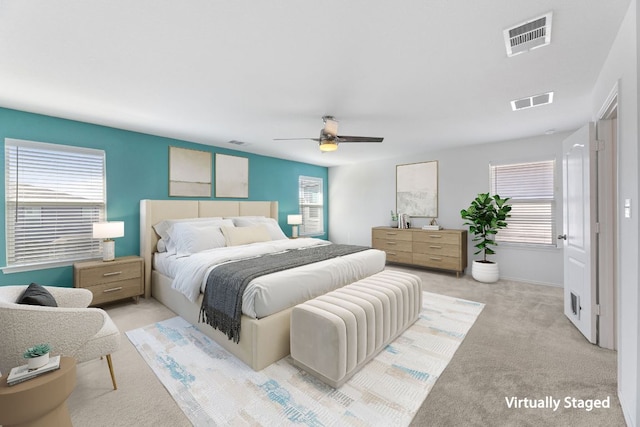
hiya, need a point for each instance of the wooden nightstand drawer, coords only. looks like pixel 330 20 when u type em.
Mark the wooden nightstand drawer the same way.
pixel 118 290
pixel 110 281
pixel 109 273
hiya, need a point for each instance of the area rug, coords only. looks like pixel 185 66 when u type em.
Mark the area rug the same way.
pixel 212 387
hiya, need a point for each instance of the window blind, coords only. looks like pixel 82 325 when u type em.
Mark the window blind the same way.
pixel 311 205
pixel 531 189
pixel 53 195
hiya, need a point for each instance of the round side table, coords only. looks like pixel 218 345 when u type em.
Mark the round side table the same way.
pixel 40 401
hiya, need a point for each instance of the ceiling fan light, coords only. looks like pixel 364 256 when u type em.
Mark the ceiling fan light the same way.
pixel 330 126
pixel 328 146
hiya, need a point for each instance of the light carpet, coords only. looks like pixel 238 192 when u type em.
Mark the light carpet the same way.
pixel 213 387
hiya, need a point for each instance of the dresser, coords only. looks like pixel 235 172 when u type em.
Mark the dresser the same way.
pixel 441 249
pixel 111 280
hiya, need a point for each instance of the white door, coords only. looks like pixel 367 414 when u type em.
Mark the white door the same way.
pixel 578 233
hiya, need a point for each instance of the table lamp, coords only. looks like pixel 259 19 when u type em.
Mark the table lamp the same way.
pixel 294 221
pixel 108 231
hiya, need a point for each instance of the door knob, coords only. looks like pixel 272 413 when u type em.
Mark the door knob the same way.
pixel 562 237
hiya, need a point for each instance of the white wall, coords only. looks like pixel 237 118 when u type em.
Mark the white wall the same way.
pixel 621 67
pixel 361 196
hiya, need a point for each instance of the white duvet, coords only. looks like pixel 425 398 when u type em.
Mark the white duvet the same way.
pixel 274 292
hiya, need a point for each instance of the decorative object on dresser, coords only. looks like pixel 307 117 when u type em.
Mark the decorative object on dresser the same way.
pixel 121 278
pixel 485 216
pixel 442 249
pixel 417 189
pixel 108 231
pixel 294 221
pixel 394 219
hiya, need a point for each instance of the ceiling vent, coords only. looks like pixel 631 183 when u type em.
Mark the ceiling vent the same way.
pixel 529 35
pixel 532 101
pixel 234 142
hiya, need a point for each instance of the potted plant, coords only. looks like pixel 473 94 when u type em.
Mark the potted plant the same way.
pixel 486 215
pixel 37 356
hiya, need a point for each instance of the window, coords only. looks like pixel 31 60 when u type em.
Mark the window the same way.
pixel 311 206
pixel 531 189
pixel 53 195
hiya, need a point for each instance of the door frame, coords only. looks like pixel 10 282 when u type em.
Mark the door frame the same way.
pixel 606 262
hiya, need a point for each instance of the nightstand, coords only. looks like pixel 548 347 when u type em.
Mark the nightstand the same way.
pixel 111 280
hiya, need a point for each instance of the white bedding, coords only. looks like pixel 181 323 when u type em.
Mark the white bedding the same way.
pixel 274 292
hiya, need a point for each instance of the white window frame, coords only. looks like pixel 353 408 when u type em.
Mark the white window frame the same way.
pixel 311 204
pixel 533 202
pixel 69 184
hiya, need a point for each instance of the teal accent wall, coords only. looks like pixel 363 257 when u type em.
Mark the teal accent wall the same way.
pixel 138 168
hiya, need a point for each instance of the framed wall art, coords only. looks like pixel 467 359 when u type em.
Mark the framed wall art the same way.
pixel 417 189
pixel 232 176
pixel 189 173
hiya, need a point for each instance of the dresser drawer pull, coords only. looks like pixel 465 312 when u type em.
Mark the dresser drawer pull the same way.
pixel 435 247
pixel 115 273
pixel 433 258
pixel 106 291
pixel 392 253
pixel 391 243
pixel 391 234
pixel 435 236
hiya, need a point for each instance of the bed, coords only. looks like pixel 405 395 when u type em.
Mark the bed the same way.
pixel 263 340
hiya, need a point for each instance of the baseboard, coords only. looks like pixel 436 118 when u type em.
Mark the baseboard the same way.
pixel 532 282
pixel 625 411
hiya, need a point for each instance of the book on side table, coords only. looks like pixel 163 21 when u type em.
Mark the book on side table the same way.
pixel 22 373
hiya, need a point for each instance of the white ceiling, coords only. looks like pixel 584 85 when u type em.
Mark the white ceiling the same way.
pixel 423 74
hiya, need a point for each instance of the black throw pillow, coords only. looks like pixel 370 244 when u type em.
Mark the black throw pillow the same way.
pixel 37 295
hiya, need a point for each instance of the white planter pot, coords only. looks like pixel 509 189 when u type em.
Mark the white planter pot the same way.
pixel 485 272
pixel 37 362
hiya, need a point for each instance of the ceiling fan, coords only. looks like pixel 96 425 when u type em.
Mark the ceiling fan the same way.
pixel 329 138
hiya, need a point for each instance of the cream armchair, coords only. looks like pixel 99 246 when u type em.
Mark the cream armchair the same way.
pixel 71 329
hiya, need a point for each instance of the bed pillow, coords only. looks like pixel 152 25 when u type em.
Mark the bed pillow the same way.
pixel 236 236
pixel 37 295
pixel 163 227
pixel 190 238
pixel 161 246
pixel 272 225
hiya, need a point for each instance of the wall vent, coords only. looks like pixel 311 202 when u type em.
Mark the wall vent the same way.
pixel 532 101
pixel 529 35
pixel 234 142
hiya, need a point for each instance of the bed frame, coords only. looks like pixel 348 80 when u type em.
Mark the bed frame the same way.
pixel 263 341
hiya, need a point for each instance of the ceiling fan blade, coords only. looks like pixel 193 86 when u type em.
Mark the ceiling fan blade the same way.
pixel 296 139
pixel 344 138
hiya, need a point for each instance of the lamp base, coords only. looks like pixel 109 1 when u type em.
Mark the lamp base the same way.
pixel 108 250
pixel 294 231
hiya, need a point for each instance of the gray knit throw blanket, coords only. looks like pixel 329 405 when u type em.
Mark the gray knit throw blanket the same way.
pixel 222 303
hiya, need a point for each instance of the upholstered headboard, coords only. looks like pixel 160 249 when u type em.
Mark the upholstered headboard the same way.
pixel 154 211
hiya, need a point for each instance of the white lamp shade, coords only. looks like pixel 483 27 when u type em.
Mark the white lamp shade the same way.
pixel 294 219
pixel 108 230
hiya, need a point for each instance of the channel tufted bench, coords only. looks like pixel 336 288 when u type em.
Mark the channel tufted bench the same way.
pixel 336 334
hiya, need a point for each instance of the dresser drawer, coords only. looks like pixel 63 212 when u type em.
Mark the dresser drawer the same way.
pixel 436 248
pixel 437 261
pixel 437 237
pixel 113 291
pixel 392 234
pixel 393 245
pixel 399 257
pixel 108 273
